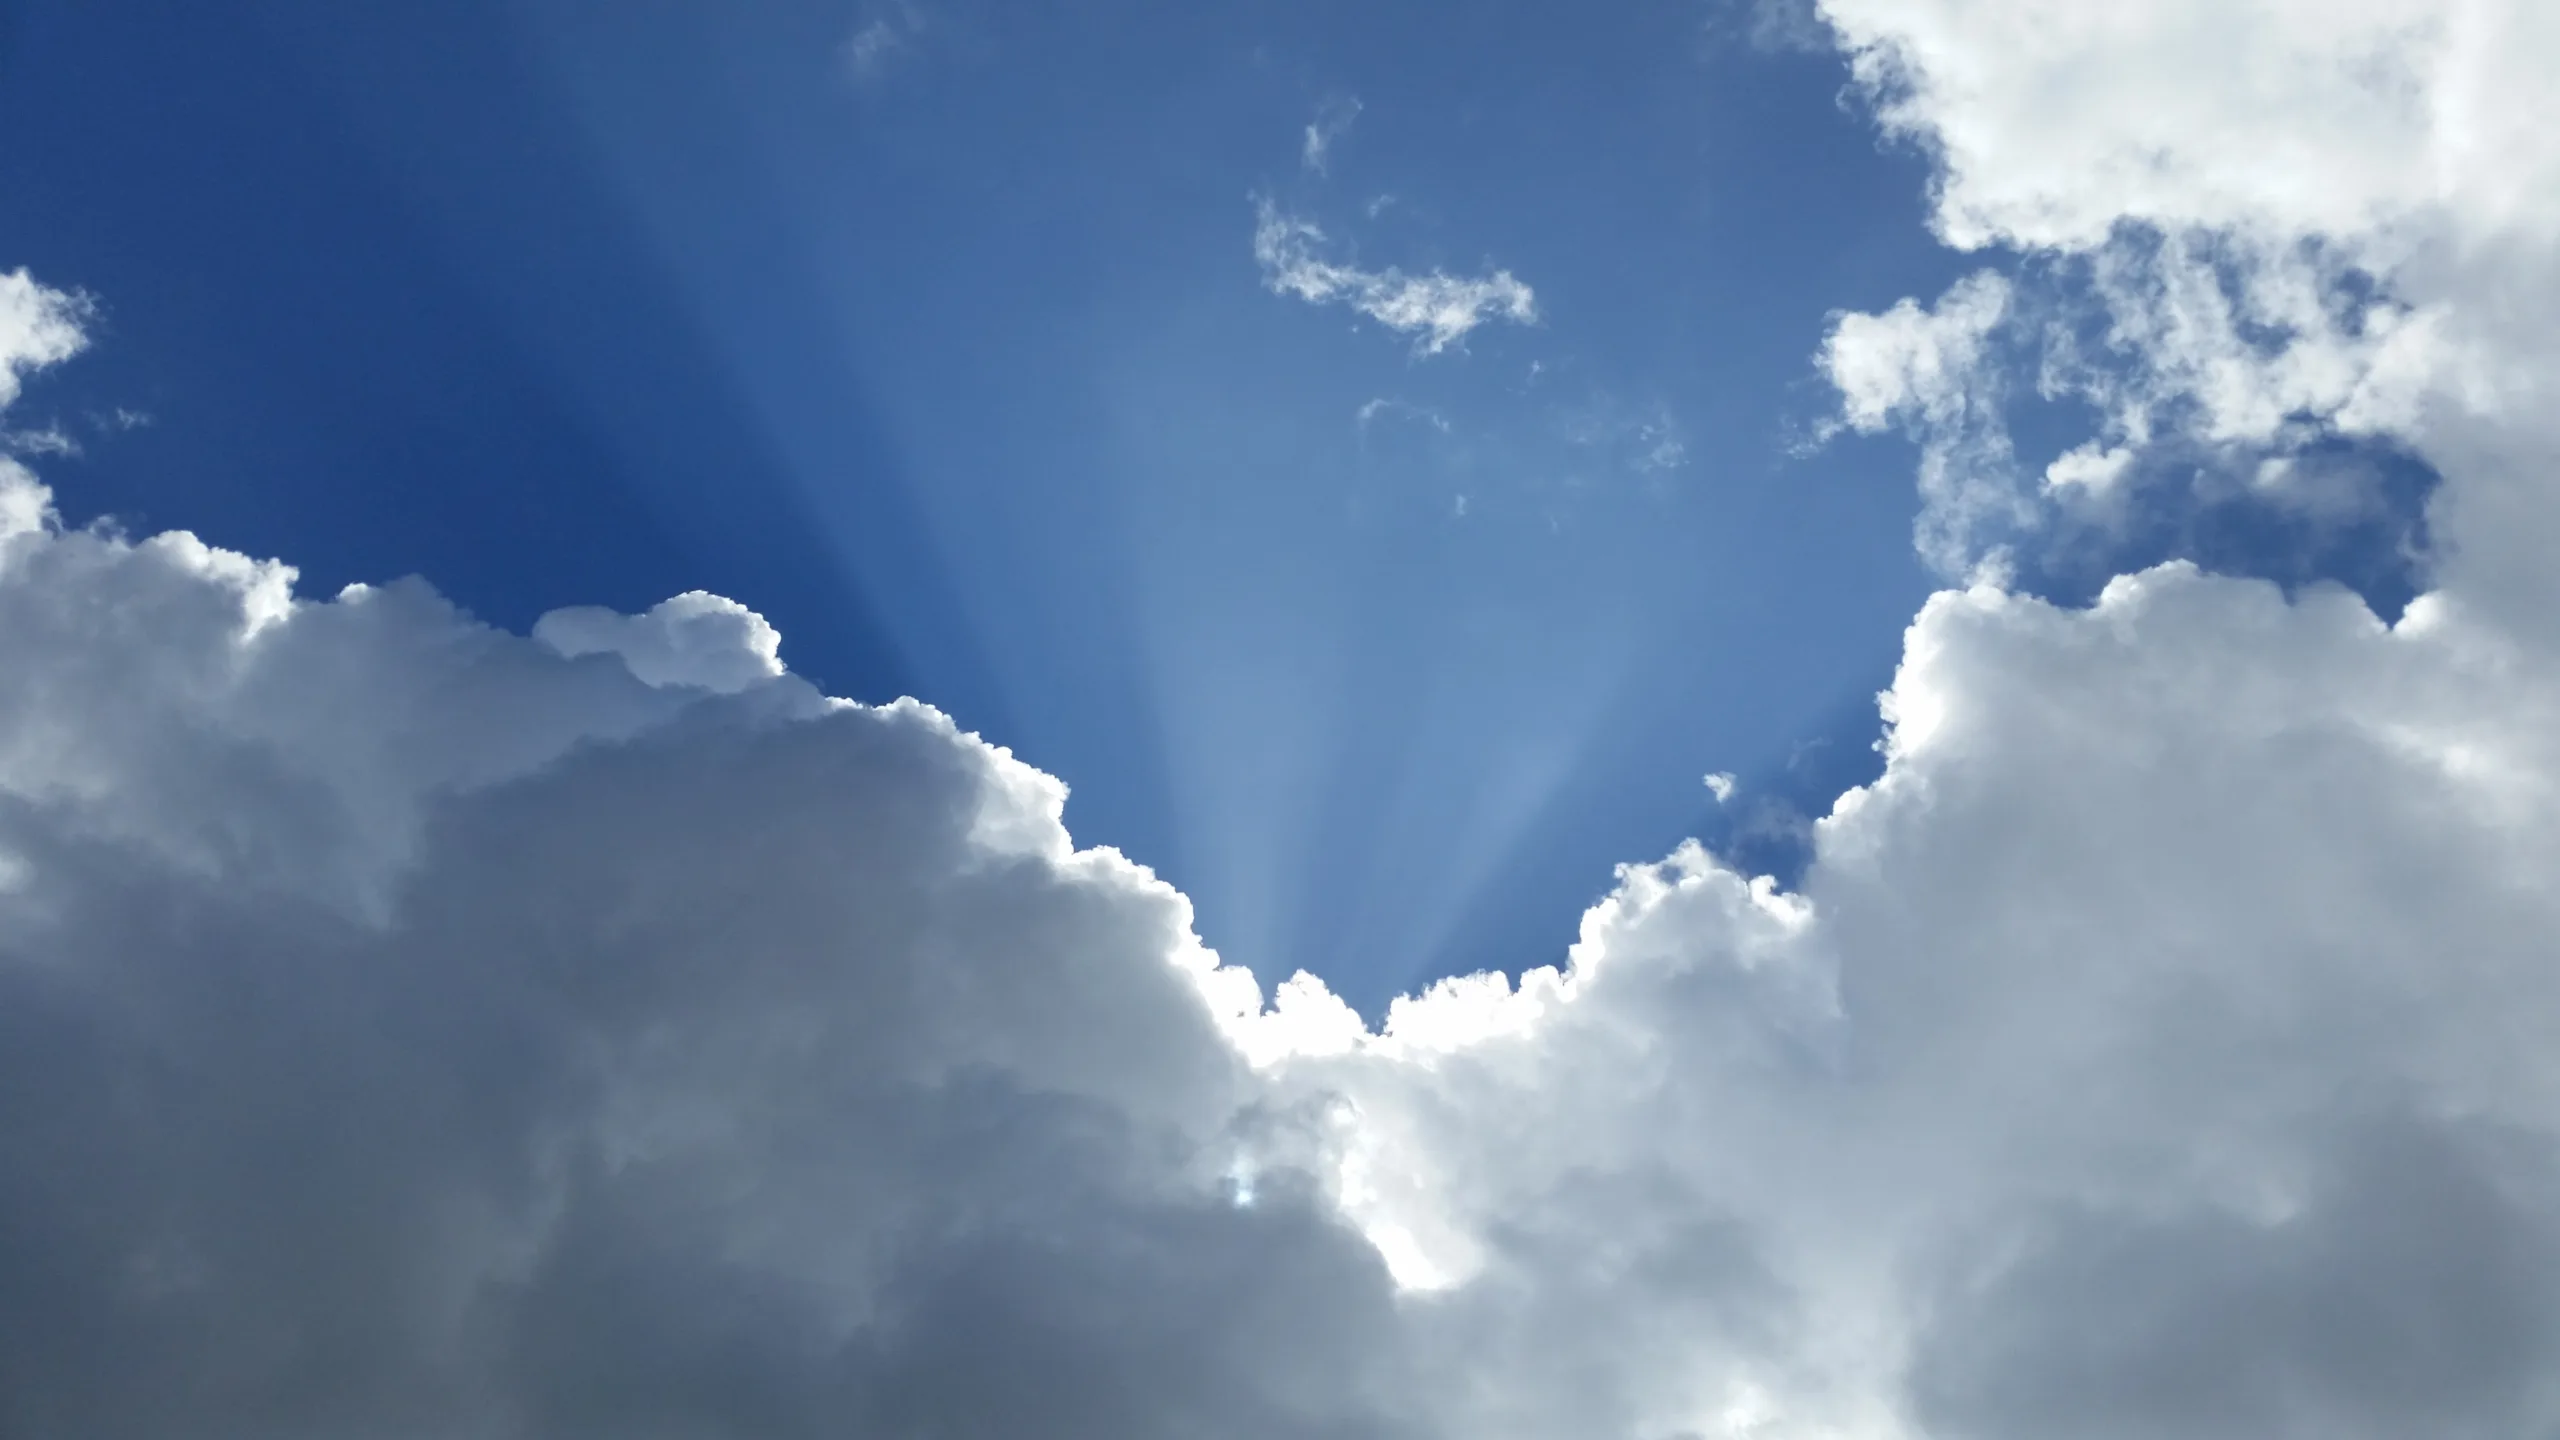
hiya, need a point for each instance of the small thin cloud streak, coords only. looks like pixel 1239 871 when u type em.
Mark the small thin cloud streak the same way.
pixel 47 440
pixel 1383 405
pixel 1438 309
pixel 1332 122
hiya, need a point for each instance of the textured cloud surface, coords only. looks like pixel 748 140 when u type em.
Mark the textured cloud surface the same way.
pixel 412 1029
pixel 2252 228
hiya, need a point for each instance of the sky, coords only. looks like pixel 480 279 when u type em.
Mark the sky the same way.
pixel 952 341
pixel 954 719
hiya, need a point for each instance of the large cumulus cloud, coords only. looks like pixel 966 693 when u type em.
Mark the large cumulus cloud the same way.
pixel 412 1029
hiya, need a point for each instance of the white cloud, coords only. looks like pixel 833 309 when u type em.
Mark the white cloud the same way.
pixel 2211 339
pixel 2058 121
pixel 1333 121
pixel 2284 223
pixel 411 1028
pixel 1937 374
pixel 38 327
pixel 2296 220
pixel 1908 359
pixel 697 639
pixel 2088 466
pixel 2259 338
pixel 1437 309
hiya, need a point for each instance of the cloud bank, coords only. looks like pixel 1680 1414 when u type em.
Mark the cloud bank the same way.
pixel 414 1029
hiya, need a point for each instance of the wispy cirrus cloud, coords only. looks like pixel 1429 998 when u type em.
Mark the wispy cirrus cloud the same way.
pixel 1332 122
pixel 1436 308
pixel 886 34
pixel 1388 407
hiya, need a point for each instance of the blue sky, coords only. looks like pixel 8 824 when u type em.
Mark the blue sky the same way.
pixel 936 334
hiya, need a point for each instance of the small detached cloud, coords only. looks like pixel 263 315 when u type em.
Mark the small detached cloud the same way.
pixel 39 326
pixel 1938 374
pixel 1436 308
pixel 1922 365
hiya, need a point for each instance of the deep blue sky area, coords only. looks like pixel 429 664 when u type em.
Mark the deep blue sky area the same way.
pixel 934 331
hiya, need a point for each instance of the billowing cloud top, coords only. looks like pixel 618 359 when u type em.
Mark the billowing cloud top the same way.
pixel 413 1029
